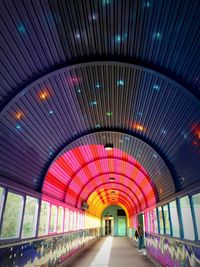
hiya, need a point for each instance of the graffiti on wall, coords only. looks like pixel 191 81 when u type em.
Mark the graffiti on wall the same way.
pixel 171 252
pixel 48 252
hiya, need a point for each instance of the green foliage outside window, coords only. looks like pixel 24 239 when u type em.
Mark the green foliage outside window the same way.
pixel 12 216
pixel 196 204
pixel 1 199
pixel 166 218
pixel 174 219
pixel 44 218
pixel 30 217
pixel 60 219
pixel 161 220
pixel 53 219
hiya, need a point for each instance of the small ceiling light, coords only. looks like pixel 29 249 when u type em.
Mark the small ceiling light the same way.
pixel 18 115
pixel 43 95
pixel 111 178
pixel 108 147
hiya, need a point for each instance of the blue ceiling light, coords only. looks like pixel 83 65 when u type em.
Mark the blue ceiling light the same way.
pixel 147 4
pixel 21 28
pixel 97 126
pixel 97 85
pixel 118 38
pixel 120 83
pixel 156 87
pixel 155 156
pixel 105 2
pixel 157 36
pixel 184 134
pixel 163 131
pixel 18 126
pixel 50 112
pixel 93 103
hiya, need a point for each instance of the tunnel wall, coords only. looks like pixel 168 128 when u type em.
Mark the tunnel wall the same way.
pixel 47 252
pixel 172 252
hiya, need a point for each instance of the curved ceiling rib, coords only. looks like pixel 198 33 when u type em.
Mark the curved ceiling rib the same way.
pixel 42 36
pixel 116 187
pixel 107 165
pixel 81 196
pixel 80 170
pixel 99 207
pixel 118 192
pixel 111 157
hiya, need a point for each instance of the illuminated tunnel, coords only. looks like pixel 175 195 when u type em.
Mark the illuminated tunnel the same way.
pixel 75 78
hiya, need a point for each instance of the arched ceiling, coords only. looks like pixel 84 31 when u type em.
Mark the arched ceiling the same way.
pixel 48 100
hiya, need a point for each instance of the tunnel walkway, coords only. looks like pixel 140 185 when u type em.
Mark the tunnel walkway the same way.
pixel 112 252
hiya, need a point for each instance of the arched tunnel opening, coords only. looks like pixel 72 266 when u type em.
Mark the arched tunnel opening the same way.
pixel 99 132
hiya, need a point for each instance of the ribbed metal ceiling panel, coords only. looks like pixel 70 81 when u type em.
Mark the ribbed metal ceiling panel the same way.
pixel 38 35
pixel 46 105
pixel 76 100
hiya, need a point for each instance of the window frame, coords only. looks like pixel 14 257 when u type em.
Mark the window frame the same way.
pixel 23 195
pixel 197 236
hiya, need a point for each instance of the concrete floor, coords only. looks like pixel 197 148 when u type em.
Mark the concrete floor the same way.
pixel 112 252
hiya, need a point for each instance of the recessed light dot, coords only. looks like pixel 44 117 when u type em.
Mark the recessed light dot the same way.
pixel 78 91
pixel 18 126
pixel 78 36
pixel 118 38
pixel 97 126
pixel 50 112
pixel 93 102
pixel 109 114
pixel 43 95
pixel 18 115
pixel 156 87
pixel 163 131
pixel 97 85
pixel 105 2
pixel 120 83
pixel 155 156
pixel 21 28
pixel 157 36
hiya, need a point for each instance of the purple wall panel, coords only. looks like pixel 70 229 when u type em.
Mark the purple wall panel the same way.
pixel 173 253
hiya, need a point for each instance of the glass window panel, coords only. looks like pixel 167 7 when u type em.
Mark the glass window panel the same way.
pixel 12 216
pixel 60 219
pixel 71 220
pixel 174 219
pixel 160 215
pixel 74 224
pixel 44 218
pixel 30 217
pixel 1 200
pixel 66 225
pixel 53 219
pixel 151 221
pixel 78 221
pixel 166 219
pixel 186 215
pixel 155 221
pixel 196 205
